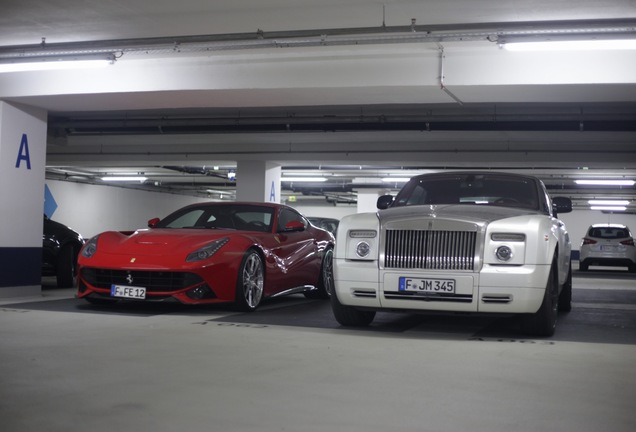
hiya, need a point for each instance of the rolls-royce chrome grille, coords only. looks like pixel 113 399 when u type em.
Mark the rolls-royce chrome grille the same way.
pixel 433 250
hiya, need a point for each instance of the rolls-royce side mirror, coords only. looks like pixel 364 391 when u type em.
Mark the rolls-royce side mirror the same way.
pixel 384 202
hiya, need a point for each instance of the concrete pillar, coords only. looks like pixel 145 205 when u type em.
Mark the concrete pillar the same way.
pixel 258 181
pixel 368 198
pixel 22 168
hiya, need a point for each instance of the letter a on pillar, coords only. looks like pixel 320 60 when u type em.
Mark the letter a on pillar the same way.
pixel 23 153
pixel 272 192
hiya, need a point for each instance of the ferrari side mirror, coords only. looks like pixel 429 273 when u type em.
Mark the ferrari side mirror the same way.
pixel 294 226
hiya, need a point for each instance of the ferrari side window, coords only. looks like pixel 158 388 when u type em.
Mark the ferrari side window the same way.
pixel 254 220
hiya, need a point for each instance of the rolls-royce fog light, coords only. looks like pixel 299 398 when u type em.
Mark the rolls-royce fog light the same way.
pixel 363 249
pixel 503 253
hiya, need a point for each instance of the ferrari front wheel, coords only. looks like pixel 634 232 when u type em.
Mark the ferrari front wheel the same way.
pixel 250 282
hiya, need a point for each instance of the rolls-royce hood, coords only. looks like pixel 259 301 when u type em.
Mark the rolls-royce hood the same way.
pixel 469 213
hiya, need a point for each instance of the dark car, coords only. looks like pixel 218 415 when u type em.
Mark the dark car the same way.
pixel 60 247
pixel 328 224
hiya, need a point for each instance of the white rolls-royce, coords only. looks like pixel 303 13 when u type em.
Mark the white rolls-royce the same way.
pixel 472 242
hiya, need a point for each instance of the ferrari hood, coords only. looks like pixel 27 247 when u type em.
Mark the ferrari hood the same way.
pixel 158 241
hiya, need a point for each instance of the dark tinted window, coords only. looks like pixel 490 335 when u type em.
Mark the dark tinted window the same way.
pixel 221 216
pixel 609 233
pixel 511 191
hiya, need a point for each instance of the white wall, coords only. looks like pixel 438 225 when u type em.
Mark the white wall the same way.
pixel 324 210
pixel 91 209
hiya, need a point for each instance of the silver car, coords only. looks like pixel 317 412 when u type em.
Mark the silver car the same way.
pixel 608 244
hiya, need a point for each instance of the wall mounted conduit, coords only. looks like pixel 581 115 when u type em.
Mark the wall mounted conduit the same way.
pixel 442 58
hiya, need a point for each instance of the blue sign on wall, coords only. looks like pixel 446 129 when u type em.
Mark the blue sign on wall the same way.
pixel 49 202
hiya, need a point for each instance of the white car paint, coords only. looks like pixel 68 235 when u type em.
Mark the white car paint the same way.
pixel 367 283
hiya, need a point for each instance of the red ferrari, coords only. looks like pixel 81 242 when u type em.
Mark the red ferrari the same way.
pixel 210 253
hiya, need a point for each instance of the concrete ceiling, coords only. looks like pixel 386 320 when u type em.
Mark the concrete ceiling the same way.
pixel 353 111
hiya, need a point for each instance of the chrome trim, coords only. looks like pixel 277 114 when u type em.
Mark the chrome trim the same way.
pixel 429 249
pixel 454 298
pixel 364 293
pixel 496 298
pixel 296 290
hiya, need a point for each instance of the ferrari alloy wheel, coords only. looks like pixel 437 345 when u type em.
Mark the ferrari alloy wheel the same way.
pixel 249 288
pixel 325 285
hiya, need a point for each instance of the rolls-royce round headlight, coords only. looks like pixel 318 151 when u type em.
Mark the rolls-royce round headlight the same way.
pixel 363 249
pixel 503 253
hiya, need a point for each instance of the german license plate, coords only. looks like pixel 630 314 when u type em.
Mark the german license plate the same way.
pixel 427 285
pixel 124 291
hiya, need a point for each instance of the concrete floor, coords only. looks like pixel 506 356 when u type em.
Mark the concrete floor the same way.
pixel 68 366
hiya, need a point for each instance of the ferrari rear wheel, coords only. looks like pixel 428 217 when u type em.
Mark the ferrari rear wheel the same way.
pixel 251 279
pixel 325 285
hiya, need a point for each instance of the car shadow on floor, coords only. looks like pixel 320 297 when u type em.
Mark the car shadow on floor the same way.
pixel 599 316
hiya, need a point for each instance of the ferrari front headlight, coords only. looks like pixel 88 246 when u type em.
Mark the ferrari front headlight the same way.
pixel 90 247
pixel 207 251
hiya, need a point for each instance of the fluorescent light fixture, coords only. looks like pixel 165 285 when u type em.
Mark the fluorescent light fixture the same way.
pixel 303 179
pixel 609 208
pixel 571 45
pixel 395 179
pixel 125 179
pixel 56 62
pixel 605 182
pixel 608 202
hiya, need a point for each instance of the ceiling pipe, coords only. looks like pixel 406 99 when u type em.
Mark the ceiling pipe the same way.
pixel 413 33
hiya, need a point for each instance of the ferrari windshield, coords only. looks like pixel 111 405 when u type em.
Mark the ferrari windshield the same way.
pixel 243 217
pixel 462 188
